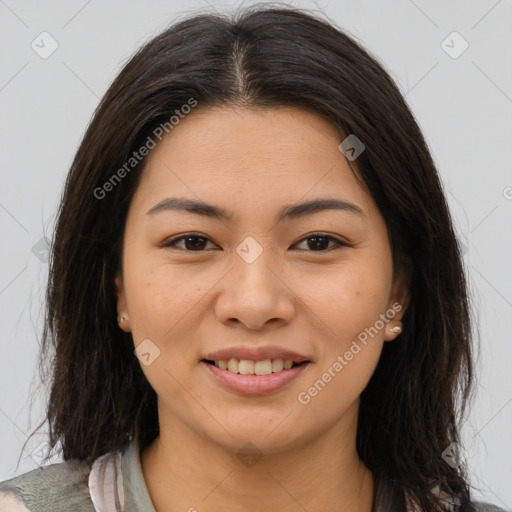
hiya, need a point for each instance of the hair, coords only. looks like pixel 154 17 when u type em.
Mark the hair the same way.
pixel 263 57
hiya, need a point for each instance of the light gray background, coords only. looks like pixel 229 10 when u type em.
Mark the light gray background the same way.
pixel 463 104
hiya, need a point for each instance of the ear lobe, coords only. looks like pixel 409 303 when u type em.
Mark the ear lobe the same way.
pixel 123 319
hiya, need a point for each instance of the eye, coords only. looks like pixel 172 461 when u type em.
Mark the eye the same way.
pixel 195 242
pixel 318 241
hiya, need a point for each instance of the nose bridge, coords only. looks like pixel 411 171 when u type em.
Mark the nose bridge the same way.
pixel 254 292
pixel 253 266
pixel 250 250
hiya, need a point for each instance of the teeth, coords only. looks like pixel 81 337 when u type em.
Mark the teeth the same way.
pixel 263 367
pixel 233 365
pixel 245 367
pixel 248 367
pixel 277 365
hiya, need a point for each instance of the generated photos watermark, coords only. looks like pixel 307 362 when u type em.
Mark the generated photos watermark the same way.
pixel 143 151
pixel 304 397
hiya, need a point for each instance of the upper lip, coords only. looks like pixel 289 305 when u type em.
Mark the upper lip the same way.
pixel 255 354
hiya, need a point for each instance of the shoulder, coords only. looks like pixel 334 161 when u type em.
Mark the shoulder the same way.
pixel 488 507
pixel 56 487
pixel 450 503
pixel 453 504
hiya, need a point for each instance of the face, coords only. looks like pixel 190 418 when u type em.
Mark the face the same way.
pixel 256 278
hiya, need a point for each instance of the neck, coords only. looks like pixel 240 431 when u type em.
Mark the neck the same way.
pixel 185 471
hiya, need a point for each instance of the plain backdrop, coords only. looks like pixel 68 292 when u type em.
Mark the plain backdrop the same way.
pixel 451 59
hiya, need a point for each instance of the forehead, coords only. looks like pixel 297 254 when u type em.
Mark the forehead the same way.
pixel 250 157
pixel 222 133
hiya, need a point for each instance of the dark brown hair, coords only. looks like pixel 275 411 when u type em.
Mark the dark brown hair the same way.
pixel 263 57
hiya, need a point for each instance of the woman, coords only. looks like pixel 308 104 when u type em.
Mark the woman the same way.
pixel 254 214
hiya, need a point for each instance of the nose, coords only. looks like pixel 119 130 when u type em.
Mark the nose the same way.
pixel 255 294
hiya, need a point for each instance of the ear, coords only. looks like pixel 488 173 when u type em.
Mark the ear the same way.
pixel 398 302
pixel 400 292
pixel 123 318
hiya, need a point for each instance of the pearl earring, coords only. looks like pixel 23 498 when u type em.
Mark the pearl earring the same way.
pixel 396 329
pixel 121 318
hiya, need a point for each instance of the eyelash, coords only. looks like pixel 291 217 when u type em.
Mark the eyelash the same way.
pixel 171 243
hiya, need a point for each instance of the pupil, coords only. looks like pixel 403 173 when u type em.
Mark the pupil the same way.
pixel 196 245
pixel 316 242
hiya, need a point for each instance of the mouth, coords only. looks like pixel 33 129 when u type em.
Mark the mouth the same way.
pixel 254 378
pixel 249 367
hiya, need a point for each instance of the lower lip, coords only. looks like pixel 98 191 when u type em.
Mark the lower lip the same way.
pixel 255 385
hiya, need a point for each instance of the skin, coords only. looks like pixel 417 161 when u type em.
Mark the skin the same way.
pixel 314 301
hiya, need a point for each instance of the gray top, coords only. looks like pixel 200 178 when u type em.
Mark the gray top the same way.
pixel 113 483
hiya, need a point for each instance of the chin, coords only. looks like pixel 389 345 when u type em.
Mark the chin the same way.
pixel 259 435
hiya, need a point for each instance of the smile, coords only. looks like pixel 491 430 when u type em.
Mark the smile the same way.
pixel 249 377
pixel 248 367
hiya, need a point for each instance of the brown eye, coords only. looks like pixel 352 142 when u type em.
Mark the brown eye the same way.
pixel 192 242
pixel 319 242
pixel 196 242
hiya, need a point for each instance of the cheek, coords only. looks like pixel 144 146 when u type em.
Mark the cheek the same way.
pixel 162 296
pixel 347 299
pixel 350 309
pixel 330 392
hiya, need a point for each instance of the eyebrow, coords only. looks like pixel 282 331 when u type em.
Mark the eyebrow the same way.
pixel 288 212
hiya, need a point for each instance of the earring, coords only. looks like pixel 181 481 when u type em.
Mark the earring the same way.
pixel 397 329
pixel 121 318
